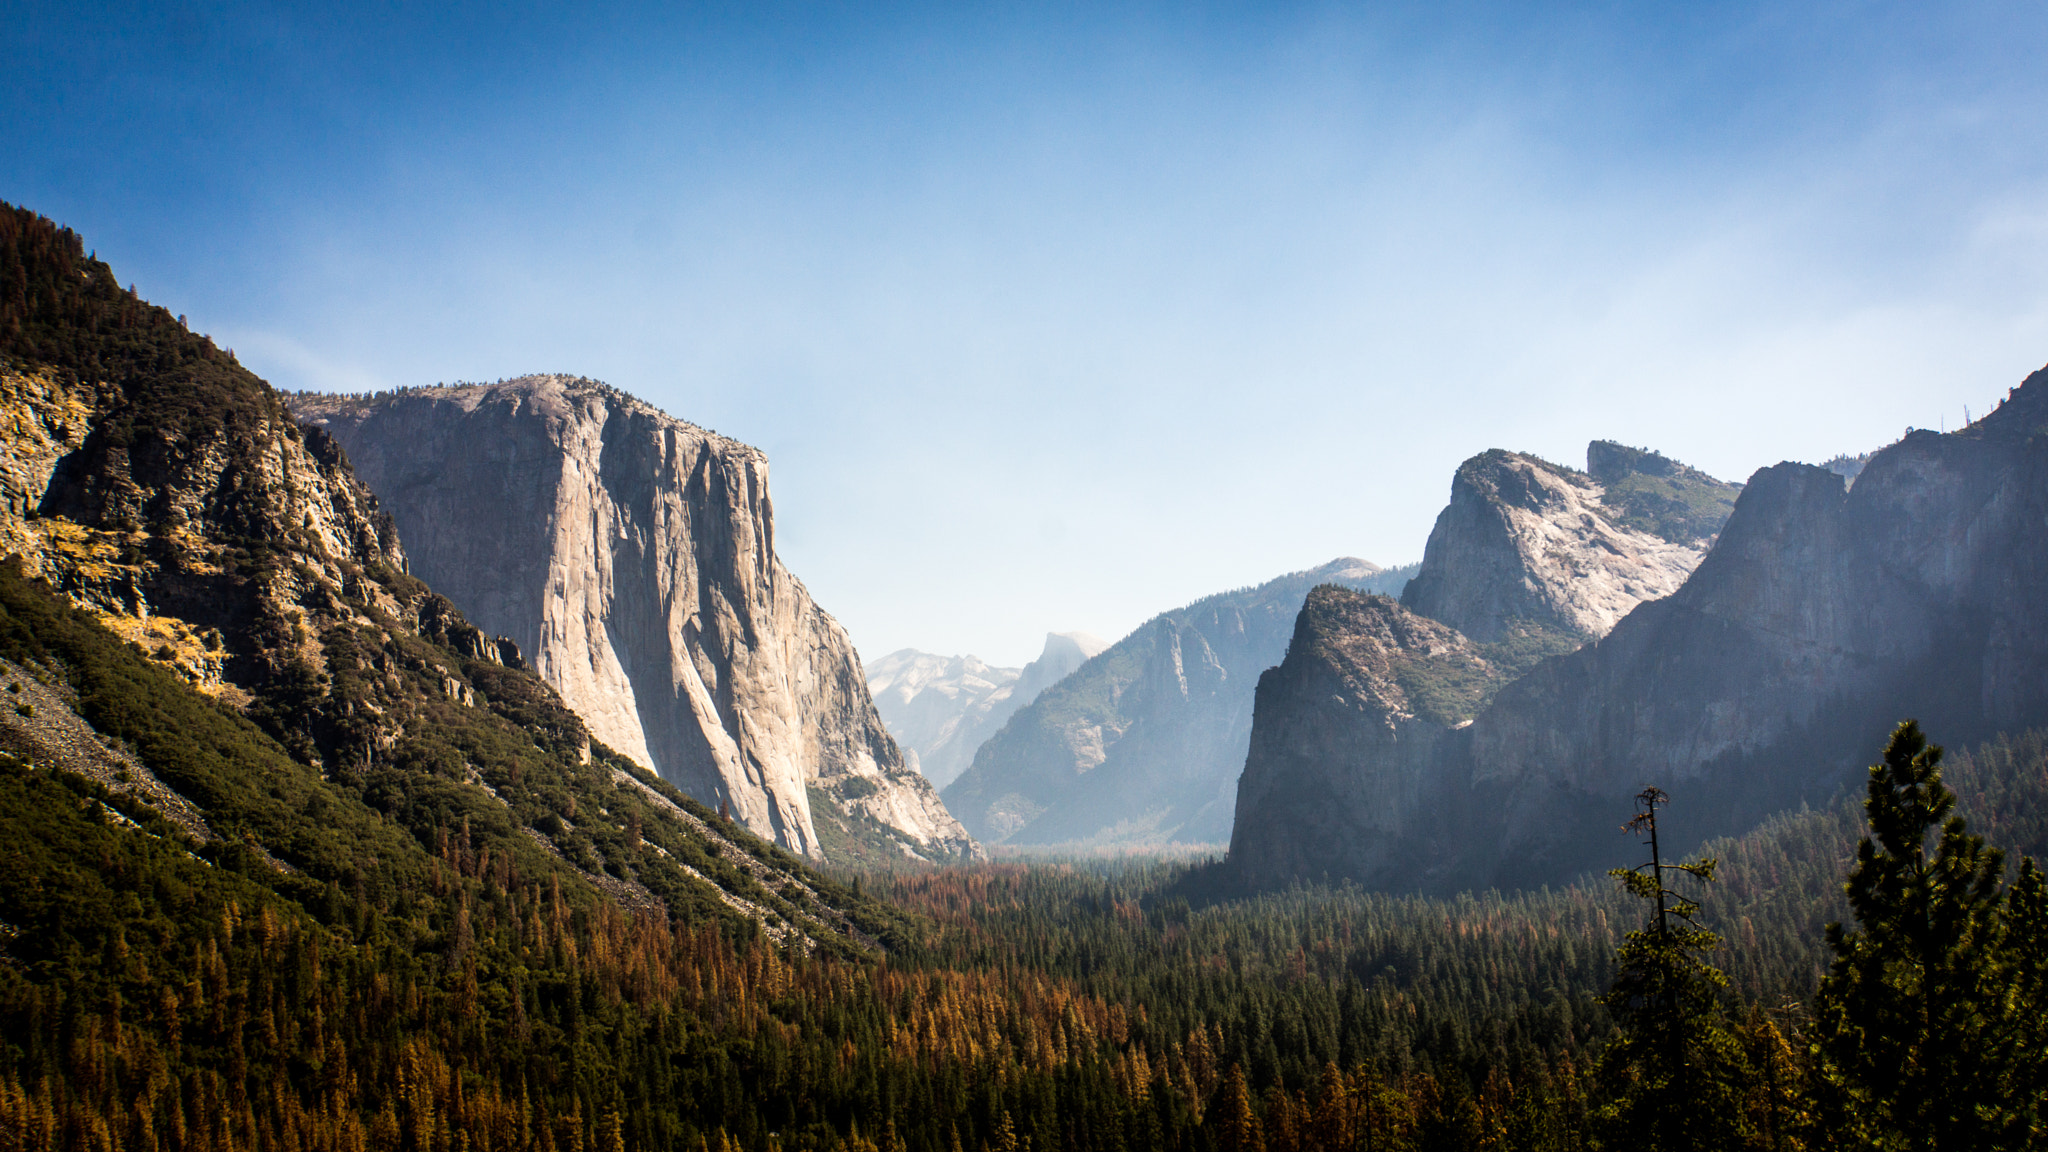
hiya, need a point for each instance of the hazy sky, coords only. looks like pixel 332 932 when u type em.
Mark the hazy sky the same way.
pixel 1052 317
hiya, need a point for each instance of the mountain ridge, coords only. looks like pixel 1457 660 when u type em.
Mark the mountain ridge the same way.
pixel 941 708
pixel 1820 615
pixel 1144 743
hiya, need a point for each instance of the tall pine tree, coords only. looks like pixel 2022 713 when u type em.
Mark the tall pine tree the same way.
pixel 1928 1025
pixel 1674 1073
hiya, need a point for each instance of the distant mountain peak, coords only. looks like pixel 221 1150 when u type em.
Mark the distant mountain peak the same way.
pixel 1143 743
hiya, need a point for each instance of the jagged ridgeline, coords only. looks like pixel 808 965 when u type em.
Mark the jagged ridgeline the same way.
pixel 1630 627
pixel 1142 745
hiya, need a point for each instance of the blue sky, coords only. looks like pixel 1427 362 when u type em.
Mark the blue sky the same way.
pixel 1053 317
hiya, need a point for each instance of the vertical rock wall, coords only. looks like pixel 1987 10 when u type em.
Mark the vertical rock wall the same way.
pixel 633 556
pixel 1341 777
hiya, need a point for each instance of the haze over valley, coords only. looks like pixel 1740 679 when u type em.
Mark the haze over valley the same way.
pixel 1252 578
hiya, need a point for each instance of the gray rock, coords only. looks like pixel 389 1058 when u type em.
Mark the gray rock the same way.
pixel 1524 539
pixel 632 557
pixel 941 708
pixel 1345 742
pixel 1821 617
pixel 1144 743
pixel 1824 615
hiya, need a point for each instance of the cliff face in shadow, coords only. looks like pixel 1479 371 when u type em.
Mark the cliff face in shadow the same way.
pixel 1822 615
pixel 633 556
pixel 1347 733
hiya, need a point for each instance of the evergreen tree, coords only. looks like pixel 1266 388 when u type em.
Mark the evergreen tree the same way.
pixel 1923 1022
pixel 1674 1072
pixel 1239 1130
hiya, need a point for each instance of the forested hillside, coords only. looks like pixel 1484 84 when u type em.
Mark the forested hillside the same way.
pixel 311 863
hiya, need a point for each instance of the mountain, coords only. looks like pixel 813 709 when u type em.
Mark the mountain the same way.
pixel 320 865
pixel 632 555
pixel 1340 774
pixel 1528 560
pixel 1144 743
pixel 203 609
pixel 1822 614
pixel 1650 492
pixel 1529 545
pixel 940 708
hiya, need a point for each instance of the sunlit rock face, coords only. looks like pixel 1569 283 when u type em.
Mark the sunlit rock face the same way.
pixel 632 555
pixel 1526 540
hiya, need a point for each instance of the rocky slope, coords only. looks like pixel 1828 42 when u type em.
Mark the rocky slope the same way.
pixel 941 708
pixel 1144 744
pixel 1526 542
pixel 1822 615
pixel 204 613
pixel 1652 493
pixel 165 488
pixel 632 556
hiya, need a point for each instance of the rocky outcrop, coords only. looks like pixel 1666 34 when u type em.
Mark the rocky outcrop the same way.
pixel 1347 734
pixel 216 542
pixel 941 708
pixel 632 556
pixel 167 490
pixel 1652 493
pixel 1822 615
pixel 1144 743
pixel 1526 541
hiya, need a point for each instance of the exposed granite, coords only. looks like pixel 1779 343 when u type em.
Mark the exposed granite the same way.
pixel 1341 766
pixel 1526 540
pixel 632 555
pixel 1144 744
pixel 1822 616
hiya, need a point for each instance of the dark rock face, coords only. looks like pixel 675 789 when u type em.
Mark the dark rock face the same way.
pixel 632 556
pixel 1341 777
pixel 1822 616
pixel 1144 743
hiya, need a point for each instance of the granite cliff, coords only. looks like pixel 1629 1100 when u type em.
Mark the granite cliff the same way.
pixel 1825 613
pixel 1144 743
pixel 941 708
pixel 632 555
pixel 1822 614
pixel 205 612
pixel 1525 543
pixel 1341 770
